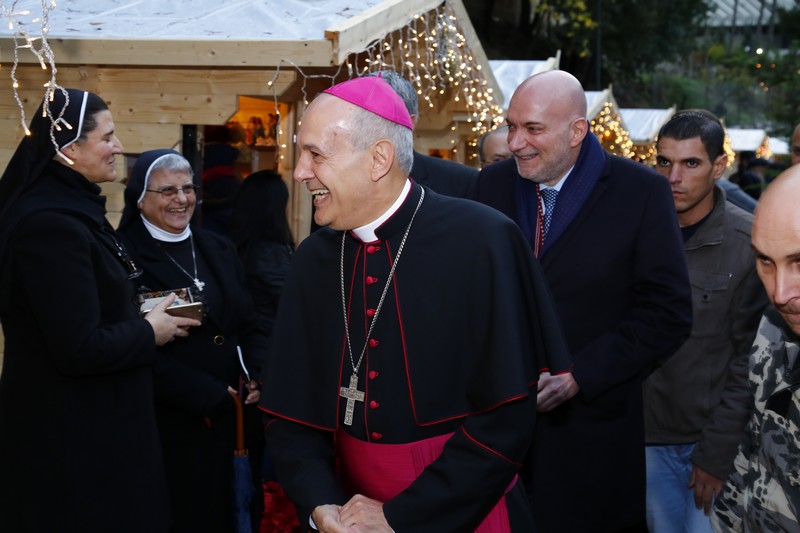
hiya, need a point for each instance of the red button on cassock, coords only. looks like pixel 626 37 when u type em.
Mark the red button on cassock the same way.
pixel 373 374
pixel 373 343
pixel 372 248
pixel 374 405
pixel 376 436
pixel 370 312
pixel 370 280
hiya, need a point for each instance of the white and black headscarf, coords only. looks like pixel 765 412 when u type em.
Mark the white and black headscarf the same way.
pixel 52 129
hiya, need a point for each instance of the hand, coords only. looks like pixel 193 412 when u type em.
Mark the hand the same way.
pixel 253 394
pixel 554 390
pixel 165 326
pixel 706 487
pixel 327 519
pixel 364 515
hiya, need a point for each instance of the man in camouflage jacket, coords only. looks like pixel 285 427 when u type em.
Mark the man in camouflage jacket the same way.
pixel 763 492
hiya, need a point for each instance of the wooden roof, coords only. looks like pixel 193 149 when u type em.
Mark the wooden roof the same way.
pixel 234 33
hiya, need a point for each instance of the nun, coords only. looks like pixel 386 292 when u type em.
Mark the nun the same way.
pixel 195 375
pixel 79 446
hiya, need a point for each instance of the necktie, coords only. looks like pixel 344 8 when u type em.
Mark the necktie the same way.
pixel 549 197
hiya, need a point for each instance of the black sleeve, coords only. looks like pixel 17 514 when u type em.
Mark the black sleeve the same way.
pixel 304 463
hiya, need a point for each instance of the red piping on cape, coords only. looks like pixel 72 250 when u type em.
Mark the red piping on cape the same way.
pixel 487 448
pixel 408 374
pixel 405 359
pixel 296 420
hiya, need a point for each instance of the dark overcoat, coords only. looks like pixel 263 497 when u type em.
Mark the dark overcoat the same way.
pixel 79 448
pixel 619 280
pixel 445 177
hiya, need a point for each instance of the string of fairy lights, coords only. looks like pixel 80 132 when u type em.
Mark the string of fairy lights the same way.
pixel 22 22
pixel 607 126
pixel 433 53
pixel 34 42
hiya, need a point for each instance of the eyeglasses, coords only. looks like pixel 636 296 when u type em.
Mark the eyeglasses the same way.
pixel 170 191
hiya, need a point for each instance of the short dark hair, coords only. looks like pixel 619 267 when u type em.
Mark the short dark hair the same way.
pixel 691 123
pixel 260 211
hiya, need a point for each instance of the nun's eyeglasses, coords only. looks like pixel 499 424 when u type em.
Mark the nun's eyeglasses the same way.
pixel 170 191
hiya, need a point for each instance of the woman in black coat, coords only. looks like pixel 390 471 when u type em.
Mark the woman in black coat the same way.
pixel 196 374
pixel 264 243
pixel 263 240
pixel 79 448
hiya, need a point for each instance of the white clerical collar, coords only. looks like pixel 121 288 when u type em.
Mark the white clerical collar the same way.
pixel 560 183
pixel 367 233
pixel 165 236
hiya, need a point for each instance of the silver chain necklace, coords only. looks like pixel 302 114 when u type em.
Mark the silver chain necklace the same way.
pixel 351 392
pixel 197 283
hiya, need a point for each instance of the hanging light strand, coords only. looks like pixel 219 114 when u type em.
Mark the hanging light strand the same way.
pixel 303 89
pixel 433 53
pixel 37 44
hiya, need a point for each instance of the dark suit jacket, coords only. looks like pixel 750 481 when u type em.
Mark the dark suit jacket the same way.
pixel 443 176
pixel 620 283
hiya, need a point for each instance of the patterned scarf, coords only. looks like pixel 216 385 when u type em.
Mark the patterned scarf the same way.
pixel 574 193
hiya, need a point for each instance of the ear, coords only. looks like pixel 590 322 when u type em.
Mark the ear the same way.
pixel 719 166
pixel 382 153
pixel 578 129
pixel 69 155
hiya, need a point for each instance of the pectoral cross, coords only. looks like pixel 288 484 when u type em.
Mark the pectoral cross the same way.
pixel 353 395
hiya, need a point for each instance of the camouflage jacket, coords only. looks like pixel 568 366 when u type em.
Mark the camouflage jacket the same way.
pixel 763 492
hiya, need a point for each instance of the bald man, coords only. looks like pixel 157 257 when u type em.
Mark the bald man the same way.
pixel 763 493
pixel 612 252
pixel 493 146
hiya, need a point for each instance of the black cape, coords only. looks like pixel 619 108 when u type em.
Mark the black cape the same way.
pixel 465 329
pixel 454 248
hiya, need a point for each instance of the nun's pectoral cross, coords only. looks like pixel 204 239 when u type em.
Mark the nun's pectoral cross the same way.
pixel 353 395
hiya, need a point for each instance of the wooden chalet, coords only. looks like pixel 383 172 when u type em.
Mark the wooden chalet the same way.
pixel 171 72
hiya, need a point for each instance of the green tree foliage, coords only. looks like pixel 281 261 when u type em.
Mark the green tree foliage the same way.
pixel 658 53
pixel 633 35
pixel 778 75
pixel 637 35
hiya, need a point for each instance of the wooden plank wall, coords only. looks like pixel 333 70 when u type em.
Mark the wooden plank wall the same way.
pixel 150 105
